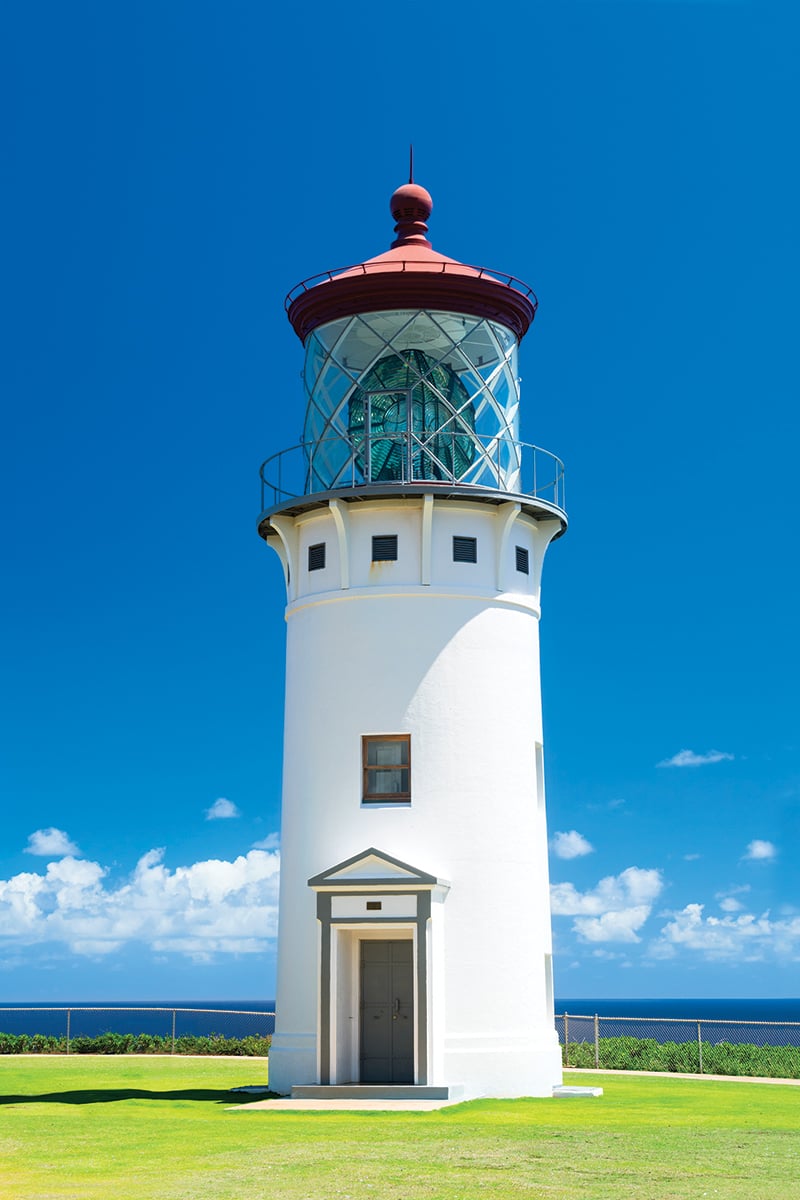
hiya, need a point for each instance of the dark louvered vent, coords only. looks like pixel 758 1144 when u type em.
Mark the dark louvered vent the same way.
pixel 465 549
pixel 522 560
pixel 316 557
pixel 384 547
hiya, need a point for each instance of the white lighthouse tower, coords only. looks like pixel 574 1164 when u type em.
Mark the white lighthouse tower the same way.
pixel 414 946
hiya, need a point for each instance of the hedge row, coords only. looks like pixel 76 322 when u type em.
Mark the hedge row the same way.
pixel 616 1053
pixel 724 1058
pixel 130 1043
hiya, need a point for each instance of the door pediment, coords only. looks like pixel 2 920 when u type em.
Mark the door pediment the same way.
pixel 374 869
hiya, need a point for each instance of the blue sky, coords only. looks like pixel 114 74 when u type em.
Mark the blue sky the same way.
pixel 172 170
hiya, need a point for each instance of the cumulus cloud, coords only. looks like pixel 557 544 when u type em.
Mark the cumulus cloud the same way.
pixel 271 842
pixel 570 845
pixel 206 909
pixel 615 910
pixel 688 758
pixel 50 843
pixel 742 938
pixel 222 810
pixel 760 850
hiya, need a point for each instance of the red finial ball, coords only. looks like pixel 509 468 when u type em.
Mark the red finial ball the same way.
pixel 411 203
pixel 411 206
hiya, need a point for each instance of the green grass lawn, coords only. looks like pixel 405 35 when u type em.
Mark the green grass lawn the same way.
pixel 144 1128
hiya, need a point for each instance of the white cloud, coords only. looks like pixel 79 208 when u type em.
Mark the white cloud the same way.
pixel 609 806
pixel 50 843
pixel 615 910
pixel 271 842
pixel 661 951
pixel 759 850
pixel 620 926
pixel 688 758
pixel 743 938
pixel 570 845
pixel 222 810
pixel 727 898
pixel 209 908
pixel 691 857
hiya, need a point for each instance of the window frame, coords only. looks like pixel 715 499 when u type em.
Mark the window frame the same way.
pixel 368 797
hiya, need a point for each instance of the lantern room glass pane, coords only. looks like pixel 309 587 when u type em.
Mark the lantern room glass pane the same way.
pixel 410 396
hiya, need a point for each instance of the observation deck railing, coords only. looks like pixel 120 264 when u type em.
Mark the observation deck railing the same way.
pixel 457 459
pixel 444 267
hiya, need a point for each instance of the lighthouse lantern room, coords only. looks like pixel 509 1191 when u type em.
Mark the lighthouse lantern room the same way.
pixel 414 947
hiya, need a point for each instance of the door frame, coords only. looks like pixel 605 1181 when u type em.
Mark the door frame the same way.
pixel 371 895
pixel 340 986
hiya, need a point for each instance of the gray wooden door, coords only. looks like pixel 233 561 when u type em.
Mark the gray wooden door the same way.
pixel 387 1012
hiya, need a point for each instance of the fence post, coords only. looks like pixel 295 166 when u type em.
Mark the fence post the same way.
pixel 566 1039
pixel 69 1014
pixel 172 1051
pixel 596 1041
pixel 700 1046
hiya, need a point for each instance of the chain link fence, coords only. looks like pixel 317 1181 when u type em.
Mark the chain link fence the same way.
pixel 171 1024
pixel 705 1046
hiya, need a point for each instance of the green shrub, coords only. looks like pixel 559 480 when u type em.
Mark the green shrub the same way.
pixel 37 1043
pixel 724 1058
pixel 129 1043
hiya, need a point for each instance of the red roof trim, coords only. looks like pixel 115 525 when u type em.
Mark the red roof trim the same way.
pixel 478 294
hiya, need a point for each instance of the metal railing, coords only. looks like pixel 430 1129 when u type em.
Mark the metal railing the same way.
pixel 170 1023
pixel 600 1039
pixel 445 267
pixel 586 1040
pixel 340 463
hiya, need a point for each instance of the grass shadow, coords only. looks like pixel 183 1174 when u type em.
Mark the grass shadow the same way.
pixel 113 1095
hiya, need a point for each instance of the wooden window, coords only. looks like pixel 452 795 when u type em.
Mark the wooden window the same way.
pixel 522 560
pixel 384 547
pixel 465 549
pixel 386 764
pixel 316 557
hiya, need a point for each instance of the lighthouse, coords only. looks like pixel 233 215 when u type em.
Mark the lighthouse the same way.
pixel 414 944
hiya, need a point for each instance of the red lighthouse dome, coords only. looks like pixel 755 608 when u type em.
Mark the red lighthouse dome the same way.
pixel 411 274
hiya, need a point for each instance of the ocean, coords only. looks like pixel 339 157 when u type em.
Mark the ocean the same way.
pixel 721 1009
pixel 668 1012
pixel 233 1018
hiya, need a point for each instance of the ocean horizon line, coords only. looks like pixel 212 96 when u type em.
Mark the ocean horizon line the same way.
pixel 602 1005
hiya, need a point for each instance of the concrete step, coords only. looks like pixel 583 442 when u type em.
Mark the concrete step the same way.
pixel 375 1091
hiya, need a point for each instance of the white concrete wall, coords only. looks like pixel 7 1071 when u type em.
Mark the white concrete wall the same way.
pixel 455 663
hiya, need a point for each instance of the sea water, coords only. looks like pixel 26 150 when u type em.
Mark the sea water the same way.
pixel 217 1016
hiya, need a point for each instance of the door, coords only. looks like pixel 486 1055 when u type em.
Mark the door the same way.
pixel 387 1012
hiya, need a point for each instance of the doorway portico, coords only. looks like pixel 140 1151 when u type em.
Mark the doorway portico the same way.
pixel 379 919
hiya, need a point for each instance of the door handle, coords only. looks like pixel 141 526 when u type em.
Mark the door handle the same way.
pixel 396 1008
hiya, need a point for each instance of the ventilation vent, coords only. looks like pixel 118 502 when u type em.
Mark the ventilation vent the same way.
pixel 384 547
pixel 374 905
pixel 465 549
pixel 522 560
pixel 316 557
